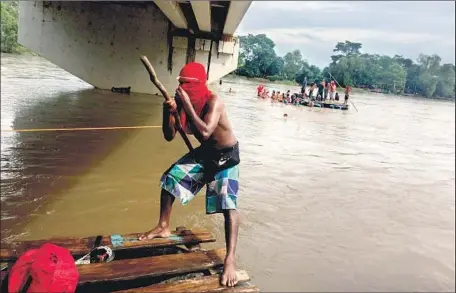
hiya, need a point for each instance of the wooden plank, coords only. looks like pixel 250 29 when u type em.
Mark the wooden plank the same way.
pixel 202 284
pixel 157 266
pixel 82 246
pixel 246 289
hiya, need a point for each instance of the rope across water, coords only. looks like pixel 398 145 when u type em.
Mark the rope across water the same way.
pixel 81 128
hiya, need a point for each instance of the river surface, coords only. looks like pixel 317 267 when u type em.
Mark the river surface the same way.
pixel 330 200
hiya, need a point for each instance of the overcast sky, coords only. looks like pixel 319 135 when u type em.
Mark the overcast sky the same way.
pixel 386 27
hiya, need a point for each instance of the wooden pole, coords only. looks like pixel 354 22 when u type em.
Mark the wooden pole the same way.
pixel 164 92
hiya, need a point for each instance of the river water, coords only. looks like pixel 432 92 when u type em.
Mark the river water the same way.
pixel 330 200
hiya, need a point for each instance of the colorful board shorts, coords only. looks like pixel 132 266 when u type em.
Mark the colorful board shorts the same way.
pixel 217 169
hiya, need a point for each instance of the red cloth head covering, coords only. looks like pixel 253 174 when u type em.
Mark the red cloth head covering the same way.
pixel 193 75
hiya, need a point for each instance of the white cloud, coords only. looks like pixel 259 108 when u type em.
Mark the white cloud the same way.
pixel 307 6
pixel 302 36
pixel 384 27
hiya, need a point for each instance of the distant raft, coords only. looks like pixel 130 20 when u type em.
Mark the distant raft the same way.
pixel 326 105
pixel 298 100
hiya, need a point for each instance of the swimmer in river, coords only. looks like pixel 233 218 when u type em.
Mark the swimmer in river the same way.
pixel 281 97
pixel 273 96
pixel 213 164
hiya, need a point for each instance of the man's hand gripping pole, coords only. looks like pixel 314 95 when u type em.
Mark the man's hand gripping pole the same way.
pixel 164 92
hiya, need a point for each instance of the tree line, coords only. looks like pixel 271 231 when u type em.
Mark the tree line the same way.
pixel 349 66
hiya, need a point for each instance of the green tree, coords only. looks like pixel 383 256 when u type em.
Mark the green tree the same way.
pixel 293 63
pixel 394 78
pixel 411 84
pixel 428 79
pixel 257 58
pixel 427 83
pixel 276 67
pixel 257 55
pixel 311 72
pixel 9 17
pixel 430 63
pixel 346 48
pixel 446 81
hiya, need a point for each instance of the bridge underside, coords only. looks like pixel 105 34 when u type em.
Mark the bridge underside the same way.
pixel 101 41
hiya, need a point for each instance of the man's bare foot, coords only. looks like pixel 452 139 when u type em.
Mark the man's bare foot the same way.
pixel 157 232
pixel 229 277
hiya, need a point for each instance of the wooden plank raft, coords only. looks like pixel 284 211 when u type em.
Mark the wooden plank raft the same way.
pixel 174 271
pixel 202 284
pixel 155 266
pixel 118 243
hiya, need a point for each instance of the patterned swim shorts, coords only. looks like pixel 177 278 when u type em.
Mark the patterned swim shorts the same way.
pixel 185 178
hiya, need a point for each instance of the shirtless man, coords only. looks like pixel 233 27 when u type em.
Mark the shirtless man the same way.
pixel 332 90
pixel 214 163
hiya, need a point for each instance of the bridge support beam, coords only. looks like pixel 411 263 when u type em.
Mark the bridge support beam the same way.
pixel 236 12
pixel 173 12
pixel 101 42
pixel 202 10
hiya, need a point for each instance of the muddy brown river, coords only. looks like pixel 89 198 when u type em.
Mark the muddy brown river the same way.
pixel 330 200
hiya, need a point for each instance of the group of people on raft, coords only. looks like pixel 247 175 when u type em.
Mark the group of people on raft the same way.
pixel 321 92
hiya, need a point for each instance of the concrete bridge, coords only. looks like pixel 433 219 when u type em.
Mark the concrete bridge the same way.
pixel 101 41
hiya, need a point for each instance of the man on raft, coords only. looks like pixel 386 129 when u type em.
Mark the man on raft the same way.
pixel 214 163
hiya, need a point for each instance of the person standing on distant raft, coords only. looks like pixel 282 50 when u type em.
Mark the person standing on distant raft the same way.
pixel 320 93
pixel 327 90
pixel 214 163
pixel 332 90
pixel 347 94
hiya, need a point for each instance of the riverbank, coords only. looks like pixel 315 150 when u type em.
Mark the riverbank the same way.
pixel 19 50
